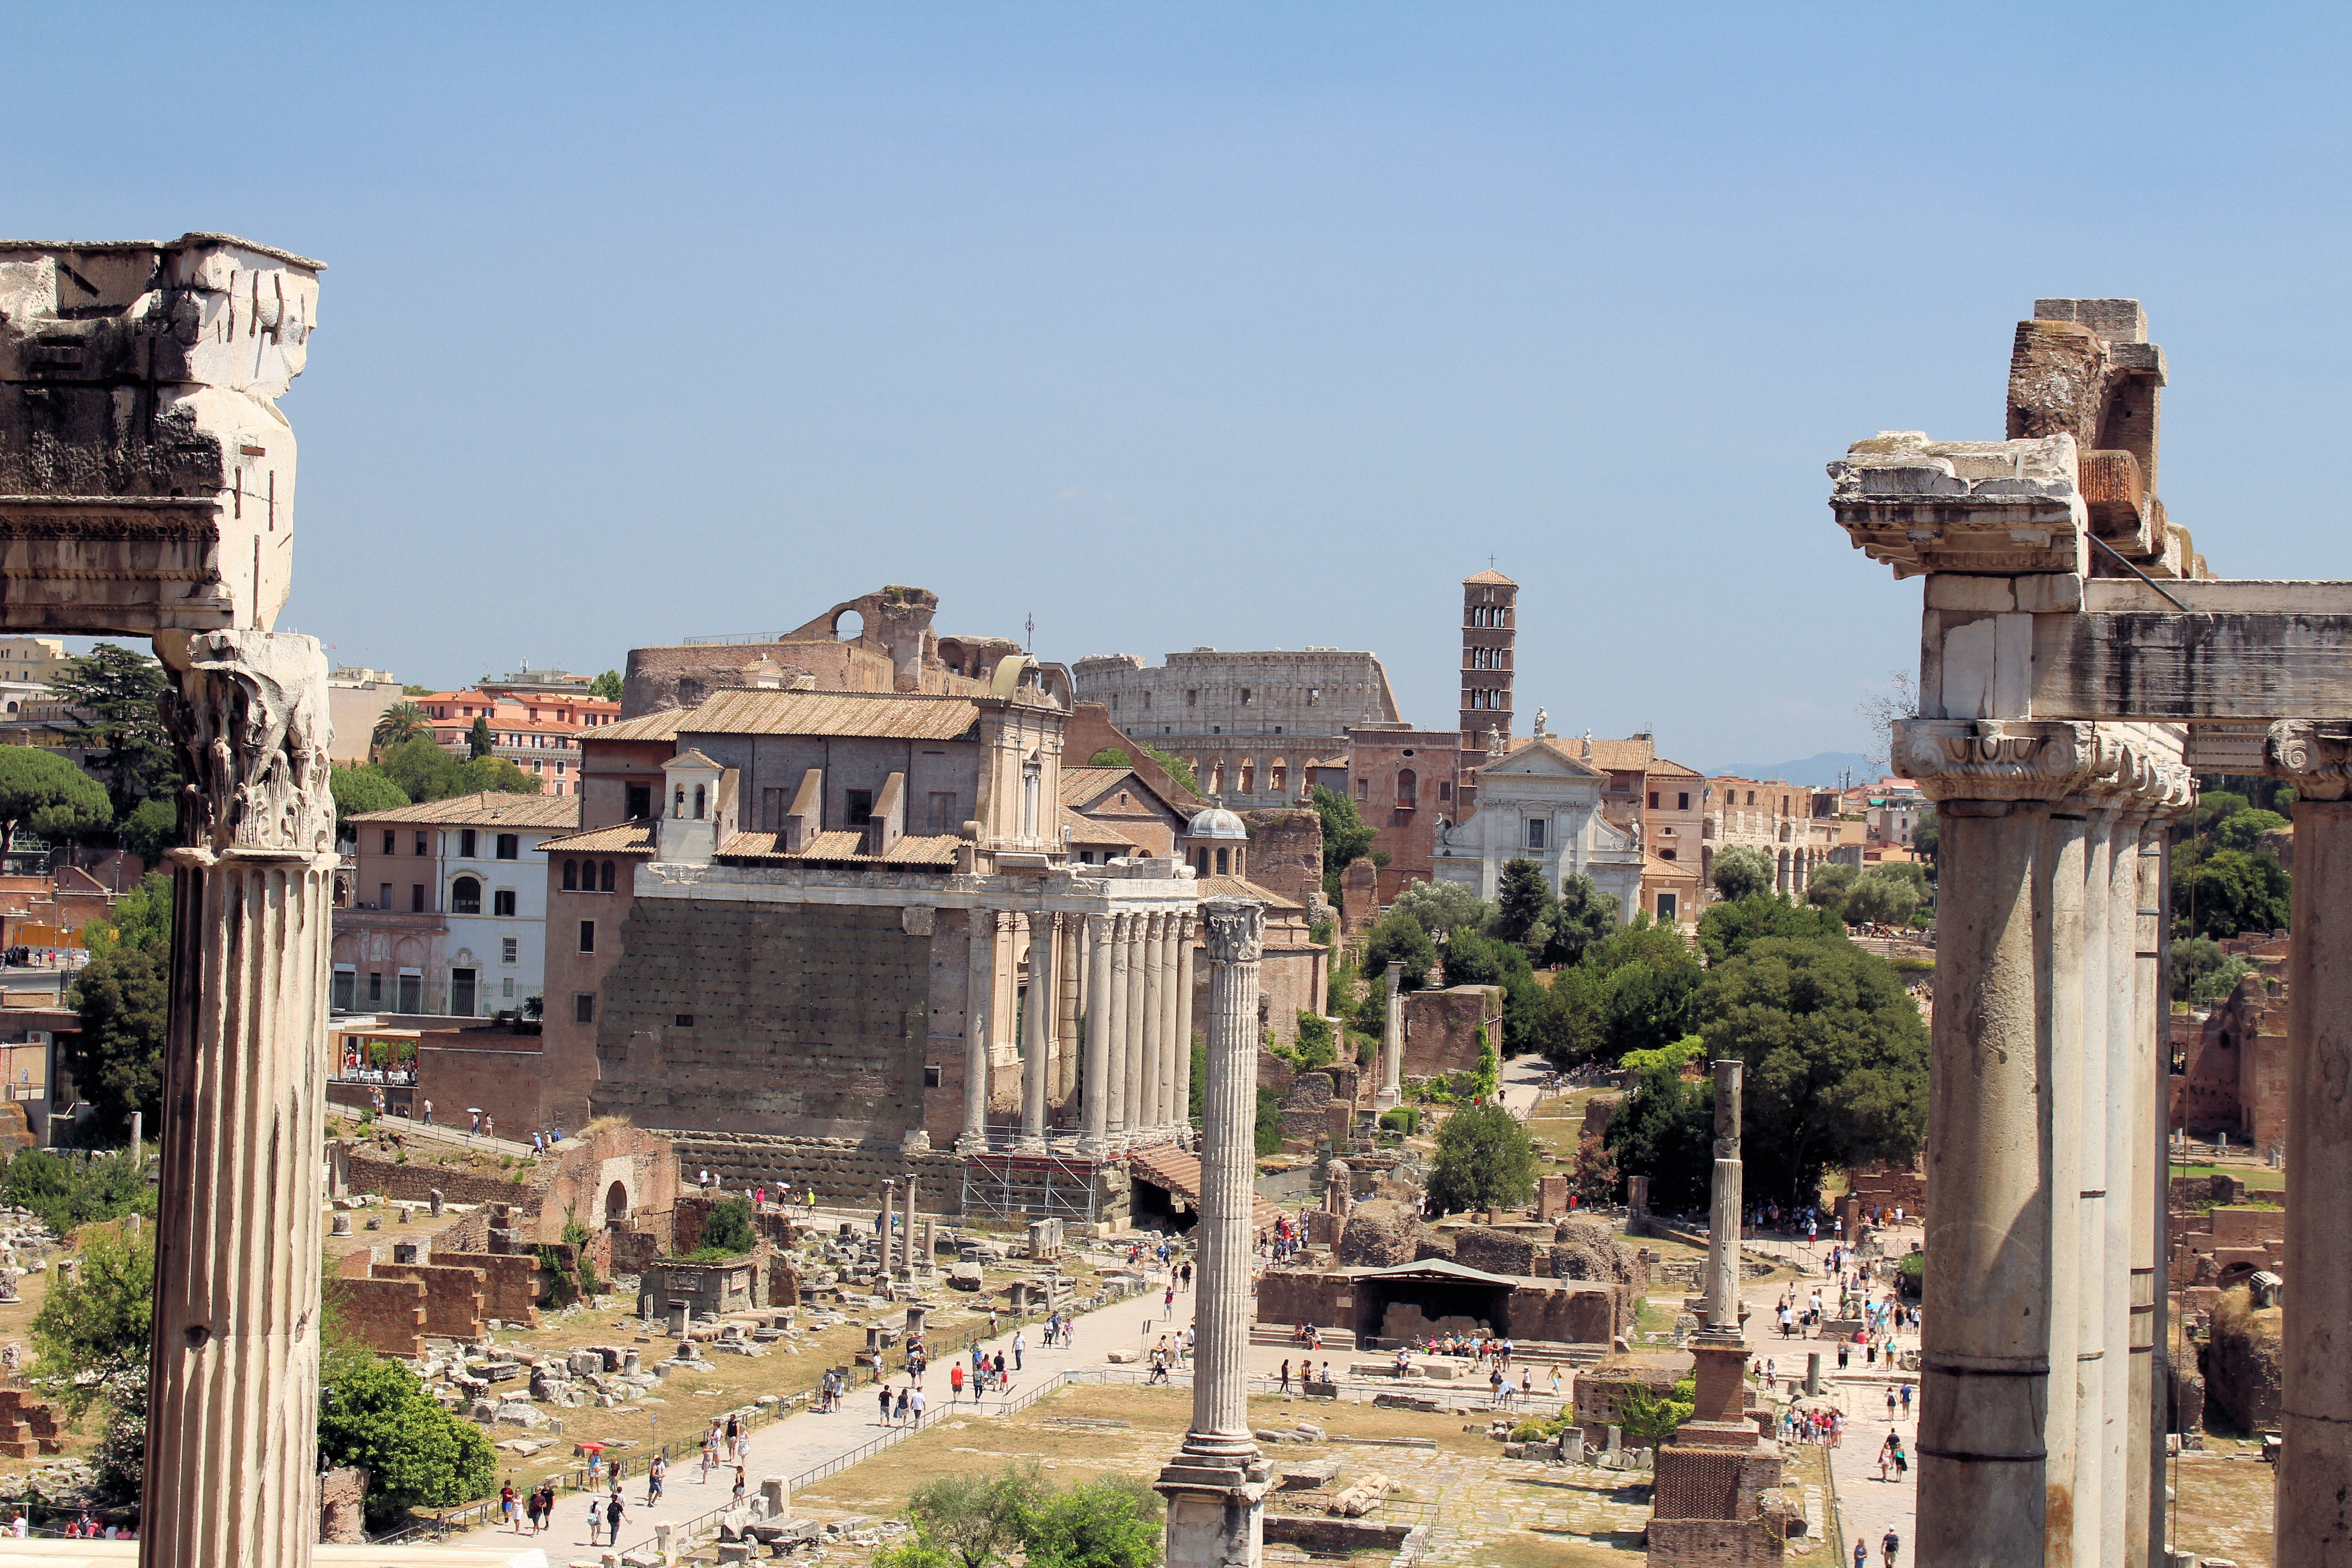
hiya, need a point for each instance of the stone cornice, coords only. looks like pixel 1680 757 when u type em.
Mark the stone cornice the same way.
pixel 2315 757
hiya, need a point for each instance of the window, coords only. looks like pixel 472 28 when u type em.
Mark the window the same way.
pixel 1224 857
pixel 465 896
pixel 1247 698
pixel 1536 833
pixel 584 1007
pixel 387 840
pixel 641 801
pixel 421 849
pixel 697 803
pixel 464 844
pixel 1201 862
pixel 346 984
pixel 1666 854
pixel 570 876
pixel 416 898
pixel 1363 789
pixel 682 1020
pixel 1653 800
pixel 506 988
pixel 932 1078
pixel 509 846
pixel 1313 695
pixel 1445 789
pixel 375 985
pixel 461 992
pixel 607 886
pixel 1681 800
pixel 509 949
pixel 677 801
pixel 412 993
pixel 860 807
pixel 587 936
pixel 1192 697
pixel 502 902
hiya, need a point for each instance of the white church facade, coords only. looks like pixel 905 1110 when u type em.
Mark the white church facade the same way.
pixel 1541 802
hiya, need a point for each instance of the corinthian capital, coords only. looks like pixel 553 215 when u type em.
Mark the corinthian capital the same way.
pixel 2315 757
pixel 1236 929
pixel 1998 758
pixel 249 713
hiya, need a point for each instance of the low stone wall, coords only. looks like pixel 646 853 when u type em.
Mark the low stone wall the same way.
pixel 415 1182
pixel 510 1282
pixel 452 1300
pixel 1327 1537
pixel 386 1315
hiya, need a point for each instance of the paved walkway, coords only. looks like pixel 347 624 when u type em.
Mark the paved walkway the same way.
pixel 805 1441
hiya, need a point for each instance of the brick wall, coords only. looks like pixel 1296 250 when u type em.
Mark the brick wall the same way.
pixel 417 1180
pixel 498 1071
pixel 452 1298
pixel 1286 854
pixel 808 1019
pixel 509 1284
pixel 1440 1028
pixel 386 1315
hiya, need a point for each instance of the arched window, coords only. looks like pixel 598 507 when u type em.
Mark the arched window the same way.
pixel 1201 862
pixel 697 803
pixel 570 876
pixel 607 884
pixel 1223 858
pixel 677 807
pixel 616 1204
pixel 1408 789
pixel 465 896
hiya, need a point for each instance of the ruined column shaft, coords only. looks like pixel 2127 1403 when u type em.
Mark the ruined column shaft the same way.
pixel 231 1474
pixel 1037 1027
pixel 2083 971
pixel 1392 1042
pixel 1095 1102
pixel 2151 1116
pixel 2313 1512
pixel 1114 1006
pixel 1149 1112
pixel 979 996
pixel 1173 1046
pixel 1725 1198
pixel 1215 1486
pixel 1138 966
pixel 1185 933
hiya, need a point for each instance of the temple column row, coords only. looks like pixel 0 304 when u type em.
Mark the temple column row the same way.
pixel 2043 1090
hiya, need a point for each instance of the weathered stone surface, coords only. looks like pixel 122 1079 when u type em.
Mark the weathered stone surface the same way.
pixel 1381 1233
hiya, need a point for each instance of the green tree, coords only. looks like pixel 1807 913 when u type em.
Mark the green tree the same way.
pixel 1397 937
pixel 1648 1004
pixel 1106 1521
pixel 100 1323
pixel 115 695
pixel 68 1192
pixel 1836 1060
pixel 42 792
pixel 1826 889
pixel 1315 1047
pixel 2215 806
pixel 1175 767
pixel 1882 900
pixel 978 1518
pixel 478 742
pixel 2241 829
pixel 496 776
pixel 2193 958
pixel 1110 757
pixel 366 788
pixel 1582 916
pixel 2215 985
pixel 1346 838
pixel 115 1060
pixel 730 1227
pixel 1525 908
pixel 1665 1131
pixel 399 724
pixel 1740 870
pixel 1926 833
pixel 378 1414
pixel 1727 930
pixel 422 770
pixel 1575 1028
pixel 607 687
pixel 1443 906
pixel 1483 1160
pixel 140 919
pixel 152 828
pixel 2231 891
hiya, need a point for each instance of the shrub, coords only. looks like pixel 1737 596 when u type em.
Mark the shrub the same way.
pixel 1404 1118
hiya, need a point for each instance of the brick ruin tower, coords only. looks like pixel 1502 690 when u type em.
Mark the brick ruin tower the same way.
pixel 1489 628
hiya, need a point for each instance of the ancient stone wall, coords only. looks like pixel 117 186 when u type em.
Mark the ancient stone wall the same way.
pixel 1495 1251
pixel 1889 1185
pixel 416 1183
pixel 1440 1028
pixel 1286 853
pixel 1290 1296
pixel 508 1284
pixel 452 1300
pixel 799 1019
pixel 2241 1363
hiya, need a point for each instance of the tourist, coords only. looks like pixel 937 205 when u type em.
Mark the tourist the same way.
pixel 595 1520
pixel 1889 1544
pixel 1003 1383
pixel 1861 1553
pixel 883 1397
pixel 506 1505
pixel 1020 1343
pixel 1906 1402
pixel 915 1403
pixel 612 1512
pixel 905 1395
pixel 428 1114
pixel 1283 1385
pixel 955 1383
pixel 1327 1374
pixel 1555 1380
pixel 738 1483
pixel 654 1471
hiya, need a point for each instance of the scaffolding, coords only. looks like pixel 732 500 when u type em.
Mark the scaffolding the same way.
pixel 1018 1188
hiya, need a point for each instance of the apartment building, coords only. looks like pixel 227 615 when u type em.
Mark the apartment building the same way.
pixel 537 731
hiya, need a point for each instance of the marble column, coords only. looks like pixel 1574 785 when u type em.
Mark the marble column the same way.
pixel 2085 959
pixel 1173 1048
pixel 906 1236
pixel 1215 1486
pixel 1038 1031
pixel 1152 1114
pixel 1139 972
pixel 1392 1043
pixel 2066 849
pixel 1114 1006
pixel 231 1472
pixel 1094 1082
pixel 2120 888
pixel 1726 1197
pixel 2151 1057
pixel 1070 963
pixel 2313 1512
pixel 979 996
pixel 1183 951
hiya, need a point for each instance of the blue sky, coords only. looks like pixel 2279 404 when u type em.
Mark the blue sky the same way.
pixel 1244 326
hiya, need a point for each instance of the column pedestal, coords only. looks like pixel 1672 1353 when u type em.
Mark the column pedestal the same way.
pixel 232 1471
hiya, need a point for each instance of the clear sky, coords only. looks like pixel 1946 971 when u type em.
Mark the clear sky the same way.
pixel 1244 326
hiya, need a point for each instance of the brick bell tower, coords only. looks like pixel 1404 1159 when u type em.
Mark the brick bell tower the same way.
pixel 1489 628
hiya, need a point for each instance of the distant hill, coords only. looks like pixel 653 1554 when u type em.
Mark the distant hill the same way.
pixel 1820 769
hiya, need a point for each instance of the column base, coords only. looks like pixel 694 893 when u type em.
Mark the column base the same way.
pixel 1030 1143
pixel 1216 1510
pixel 1387 1099
pixel 972 1143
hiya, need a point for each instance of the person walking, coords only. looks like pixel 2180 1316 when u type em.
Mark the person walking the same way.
pixel 654 1472
pixel 1861 1553
pixel 1020 1343
pixel 1889 1545
pixel 955 1383
pixel 904 1395
pixel 595 1520
pixel 883 1397
pixel 1003 1383
pixel 915 1407
pixel 613 1510
pixel 428 1114
pixel 507 1513
pixel 1285 1385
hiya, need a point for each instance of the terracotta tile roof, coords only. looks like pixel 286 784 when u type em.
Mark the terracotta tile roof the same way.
pixel 1173 1170
pixel 622 838
pixel 1084 829
pixel 745 710
pixel 1666 870
pixel 489 809
pixel 1488 578
pixel 842 846
pixel 1242 887
pixel 1662 769
pixel 1080 785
